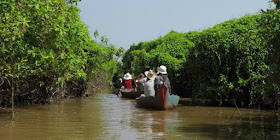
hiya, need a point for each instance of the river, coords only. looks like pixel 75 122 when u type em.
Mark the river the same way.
pixel 106 116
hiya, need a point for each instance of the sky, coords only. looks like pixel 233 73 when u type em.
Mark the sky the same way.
pixel 127 22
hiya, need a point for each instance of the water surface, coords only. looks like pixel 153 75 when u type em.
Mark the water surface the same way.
pixel 107 116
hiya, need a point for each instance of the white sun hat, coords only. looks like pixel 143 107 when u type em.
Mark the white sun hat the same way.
pixel 127 76
pixel 150 74
pixel 162 70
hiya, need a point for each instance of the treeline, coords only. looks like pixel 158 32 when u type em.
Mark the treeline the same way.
pixel 46 51
pixel 233 63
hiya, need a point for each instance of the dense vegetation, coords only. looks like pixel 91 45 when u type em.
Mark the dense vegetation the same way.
pixel 170 50
pixel 46 51
pixel 232 63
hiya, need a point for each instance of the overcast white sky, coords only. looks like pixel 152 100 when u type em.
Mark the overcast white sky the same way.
pixel 125 22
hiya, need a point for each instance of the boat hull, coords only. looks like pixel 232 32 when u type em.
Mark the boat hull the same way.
pixel 154 102
pixel 163 100
pixel 130 93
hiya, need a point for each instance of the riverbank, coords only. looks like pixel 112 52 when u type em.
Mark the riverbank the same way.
pixel 45 94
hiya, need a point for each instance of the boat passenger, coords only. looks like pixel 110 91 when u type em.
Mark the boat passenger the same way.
pixel 140 82
pixel 128 81
pixel 117 81
pixel 162 77
pixel 149 89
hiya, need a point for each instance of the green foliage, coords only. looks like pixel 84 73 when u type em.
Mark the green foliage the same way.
pixel 73 1
pixel 269 32
pixel 277 3
pixel 169 50
pixel 228 62
pixel 234 62
pixel 47 41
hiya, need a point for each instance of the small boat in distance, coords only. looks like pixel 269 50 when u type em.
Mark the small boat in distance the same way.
pixel 161 101
pixel 130 93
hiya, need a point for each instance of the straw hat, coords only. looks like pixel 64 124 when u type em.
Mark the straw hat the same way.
pixel 162 70
pixel 127 76
pixel 150 74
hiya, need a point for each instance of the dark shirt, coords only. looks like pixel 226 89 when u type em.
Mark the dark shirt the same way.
pixel 160 79
pixel 117 82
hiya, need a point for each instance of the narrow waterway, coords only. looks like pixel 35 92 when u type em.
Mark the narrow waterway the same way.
pixel 107 116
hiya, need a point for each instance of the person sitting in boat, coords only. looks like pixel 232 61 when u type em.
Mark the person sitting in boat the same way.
pixel 128 81
pixel 162 77
pixel 117 81
pixel 149 89
pixel 140 82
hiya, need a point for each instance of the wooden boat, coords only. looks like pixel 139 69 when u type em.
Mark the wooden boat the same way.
pixel 161 101
pixel 130 93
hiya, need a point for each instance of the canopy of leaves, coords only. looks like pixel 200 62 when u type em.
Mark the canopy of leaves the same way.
pixel 169 50
pixel 46 41
pixel 235 61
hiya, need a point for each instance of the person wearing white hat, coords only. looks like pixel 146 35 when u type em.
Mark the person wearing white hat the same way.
pixel 162 78
pixel 128 81
pixel 149 89
pixel 161 70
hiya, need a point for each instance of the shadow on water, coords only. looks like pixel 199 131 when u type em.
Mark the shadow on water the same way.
pixel 197 102
pixel 240 131
pixel 5 114
pixel 230 124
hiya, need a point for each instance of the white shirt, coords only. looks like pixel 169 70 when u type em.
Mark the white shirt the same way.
pixel 149 89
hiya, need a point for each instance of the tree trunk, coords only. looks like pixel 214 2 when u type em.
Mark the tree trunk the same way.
pixel 12 99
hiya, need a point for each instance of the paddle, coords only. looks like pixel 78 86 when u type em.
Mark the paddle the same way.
pixel 118 92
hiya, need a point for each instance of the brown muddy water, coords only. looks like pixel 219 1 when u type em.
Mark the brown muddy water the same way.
pixel 107 116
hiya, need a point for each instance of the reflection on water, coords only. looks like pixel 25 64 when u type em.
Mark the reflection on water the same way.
pixel 107 116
